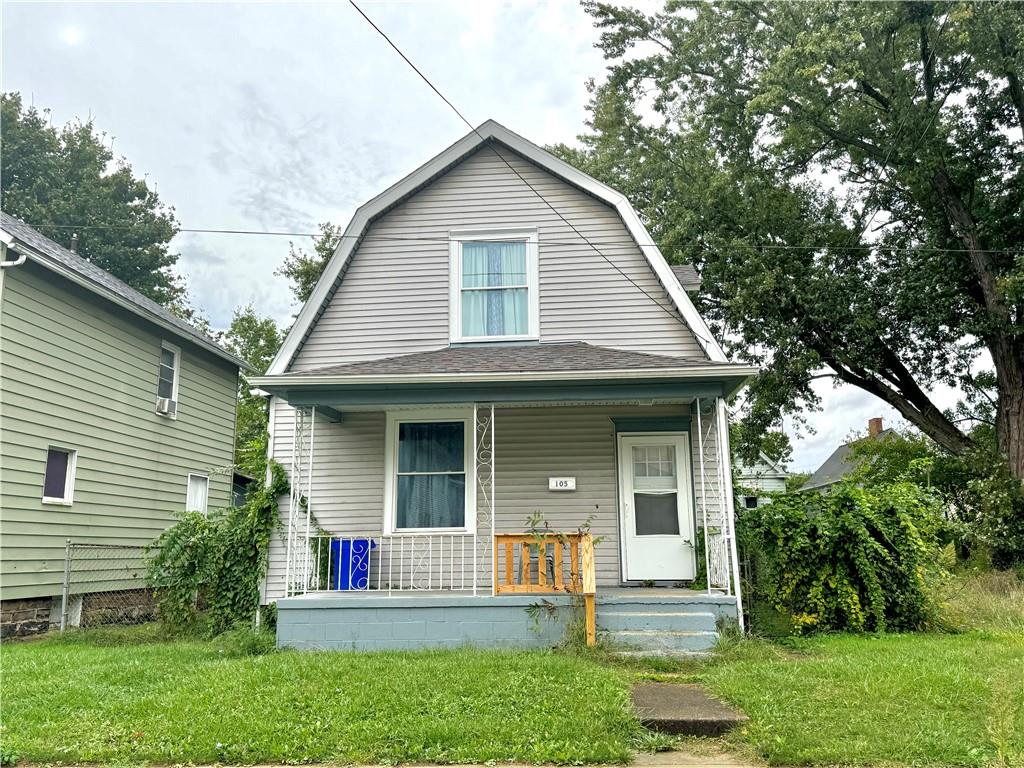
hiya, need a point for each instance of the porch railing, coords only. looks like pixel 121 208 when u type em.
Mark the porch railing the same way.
pixel 396 563
pixel 548 564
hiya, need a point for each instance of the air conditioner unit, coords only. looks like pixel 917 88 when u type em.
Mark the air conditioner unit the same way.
pixel 165 406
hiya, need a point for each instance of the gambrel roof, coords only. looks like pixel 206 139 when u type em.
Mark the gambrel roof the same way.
pixel 488 133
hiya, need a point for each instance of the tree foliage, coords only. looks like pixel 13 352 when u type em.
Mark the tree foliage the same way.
pixel 216 563
pixel 848 179
pixel 853 560
pixel 304 269
pixel 256 340
pixel 53 178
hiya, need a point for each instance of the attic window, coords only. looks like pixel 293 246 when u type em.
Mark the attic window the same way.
pixel 494 285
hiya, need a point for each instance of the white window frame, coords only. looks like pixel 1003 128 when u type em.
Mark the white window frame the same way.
pixel 456 238
pixel 394 419
pixel 188 489
pixel 69 478
pixel 177 376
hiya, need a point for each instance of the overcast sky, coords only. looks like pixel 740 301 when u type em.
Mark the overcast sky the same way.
pixel 281 115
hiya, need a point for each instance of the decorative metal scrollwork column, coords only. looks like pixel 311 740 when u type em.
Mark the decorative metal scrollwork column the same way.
pixel 483 451
pixel 297 550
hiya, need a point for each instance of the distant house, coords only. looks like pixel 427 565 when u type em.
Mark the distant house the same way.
pixel 842 463
pixel 761 475
pixel 113 415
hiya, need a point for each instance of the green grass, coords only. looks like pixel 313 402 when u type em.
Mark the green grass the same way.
pixel 925 699
pixel 93 697
pixel 915 699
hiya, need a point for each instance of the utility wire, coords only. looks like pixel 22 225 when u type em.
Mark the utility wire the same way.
pixel 671 312
pixel 625 243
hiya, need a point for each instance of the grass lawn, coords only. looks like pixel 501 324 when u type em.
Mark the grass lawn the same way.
pixel 922 699
pixel 91 698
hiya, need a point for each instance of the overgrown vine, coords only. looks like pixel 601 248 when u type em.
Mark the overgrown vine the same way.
pixel 212 565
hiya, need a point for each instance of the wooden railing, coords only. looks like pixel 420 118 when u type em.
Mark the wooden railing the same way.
pixel 548 563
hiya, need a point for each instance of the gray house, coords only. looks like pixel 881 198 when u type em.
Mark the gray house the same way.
pixel 756 478
pixel 498 338
pixel 114 414
pixel 842 462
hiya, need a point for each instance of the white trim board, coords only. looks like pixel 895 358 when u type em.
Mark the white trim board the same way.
pixel 489 130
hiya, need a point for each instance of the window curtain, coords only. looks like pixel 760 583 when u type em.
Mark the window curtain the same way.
pixel 431 475
pixel 495 299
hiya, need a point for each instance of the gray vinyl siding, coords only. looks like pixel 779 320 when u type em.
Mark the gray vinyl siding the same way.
pixel 532 444
pixel 393 298
pixel 80 373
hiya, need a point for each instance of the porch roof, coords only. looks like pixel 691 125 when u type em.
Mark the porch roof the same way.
pixel 508 373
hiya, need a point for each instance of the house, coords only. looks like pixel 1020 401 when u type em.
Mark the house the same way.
pixel 842 463
pixel 763 475
pixel 114 415
pixel 497 338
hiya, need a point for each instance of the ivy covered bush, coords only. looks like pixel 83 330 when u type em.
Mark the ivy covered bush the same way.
pixel 856 559
pixel 214 564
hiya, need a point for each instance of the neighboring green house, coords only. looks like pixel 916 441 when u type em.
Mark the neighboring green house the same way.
pixel 114 414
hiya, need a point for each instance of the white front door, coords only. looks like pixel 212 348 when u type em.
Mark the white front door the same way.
pixel 656 507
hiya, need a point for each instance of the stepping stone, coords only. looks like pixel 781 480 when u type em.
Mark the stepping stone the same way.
pixel 683 709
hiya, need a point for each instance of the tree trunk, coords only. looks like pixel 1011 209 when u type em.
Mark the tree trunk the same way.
pixel 1010 411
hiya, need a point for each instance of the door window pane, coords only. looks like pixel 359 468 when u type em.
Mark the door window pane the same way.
pixel 654 467
pixel 656 514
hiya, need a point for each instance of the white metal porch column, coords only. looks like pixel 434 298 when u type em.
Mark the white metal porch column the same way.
pixel 300 503
pixel 483 455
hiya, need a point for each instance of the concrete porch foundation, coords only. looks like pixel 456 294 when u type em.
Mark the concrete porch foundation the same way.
pixel 652 620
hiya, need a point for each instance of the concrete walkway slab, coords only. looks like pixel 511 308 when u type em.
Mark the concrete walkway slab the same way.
pixel 683 709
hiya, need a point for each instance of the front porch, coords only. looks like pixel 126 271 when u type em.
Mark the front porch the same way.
pixel 462 499
pixel 648 619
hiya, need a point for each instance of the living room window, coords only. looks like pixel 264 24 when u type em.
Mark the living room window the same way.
pixel 494 285
pixel 429 485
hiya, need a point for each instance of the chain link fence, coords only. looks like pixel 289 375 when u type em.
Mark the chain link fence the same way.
pixel 105 584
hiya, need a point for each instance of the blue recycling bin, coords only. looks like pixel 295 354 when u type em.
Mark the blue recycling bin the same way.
pixel 350 563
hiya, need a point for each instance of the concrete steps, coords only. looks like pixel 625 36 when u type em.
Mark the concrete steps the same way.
pixel 652 624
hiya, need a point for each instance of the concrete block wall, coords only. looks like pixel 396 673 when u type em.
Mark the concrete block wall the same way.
pixel 405 623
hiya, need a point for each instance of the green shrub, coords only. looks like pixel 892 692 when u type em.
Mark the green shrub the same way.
pixel 854 559
pixel 245 640
pixel 213 565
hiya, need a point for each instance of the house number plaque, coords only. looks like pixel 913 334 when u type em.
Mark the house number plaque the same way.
pixel 561 483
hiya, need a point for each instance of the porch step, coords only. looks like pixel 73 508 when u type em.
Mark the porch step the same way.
pixel 633 620
pixel 665 641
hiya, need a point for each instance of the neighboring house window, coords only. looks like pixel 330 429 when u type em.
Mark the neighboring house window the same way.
pixel 494 285
pixel 59 479
pixel 429 482
pixel 198 493
pixel 167 382
pixel 750 502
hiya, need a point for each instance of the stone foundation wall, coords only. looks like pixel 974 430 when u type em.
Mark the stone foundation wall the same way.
pixel 28 616
pixel 126 606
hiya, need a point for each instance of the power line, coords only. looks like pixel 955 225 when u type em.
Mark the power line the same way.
pixel 671 312
pixel 625 243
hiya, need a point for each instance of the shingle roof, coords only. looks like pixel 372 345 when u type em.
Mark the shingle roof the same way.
pixel 839 465
pixel 105 284
pixel 687 276
pixel 501 358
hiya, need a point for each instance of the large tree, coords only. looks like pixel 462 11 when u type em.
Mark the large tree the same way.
pixel 303 269
pixel 256 340
pixel 67 181
pixel 848 179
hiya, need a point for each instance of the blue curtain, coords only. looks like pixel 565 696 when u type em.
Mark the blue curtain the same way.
pixel 431 500
pixel 495 299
